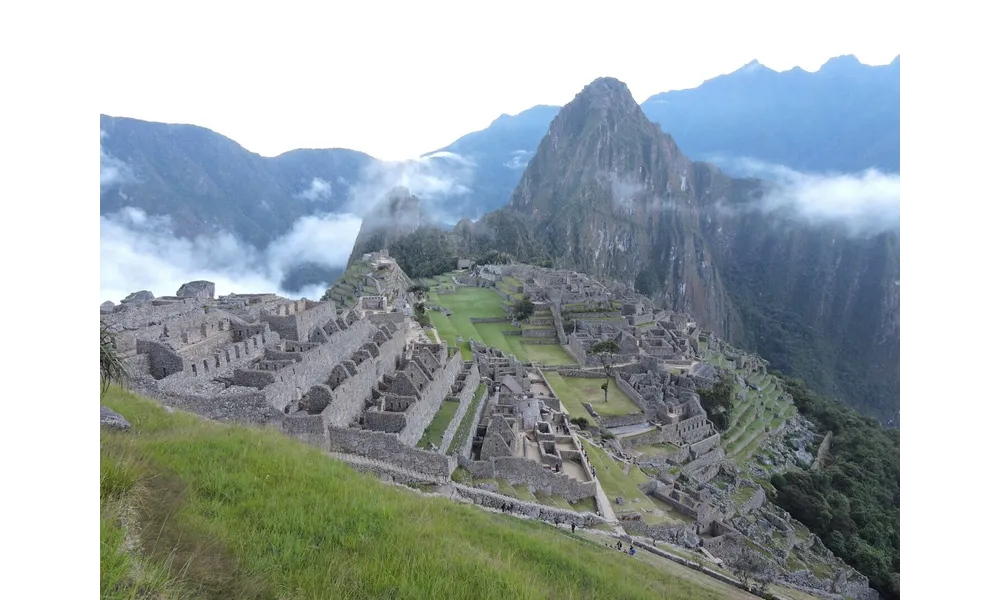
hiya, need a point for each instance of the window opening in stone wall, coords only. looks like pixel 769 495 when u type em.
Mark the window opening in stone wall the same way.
pixel 205 363
pixel 194 369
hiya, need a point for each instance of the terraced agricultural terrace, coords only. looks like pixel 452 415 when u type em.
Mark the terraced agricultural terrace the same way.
pixel 466 304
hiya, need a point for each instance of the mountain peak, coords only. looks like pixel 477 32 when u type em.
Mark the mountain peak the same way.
pixel 841 62
pixel 392 216
pixel 753 66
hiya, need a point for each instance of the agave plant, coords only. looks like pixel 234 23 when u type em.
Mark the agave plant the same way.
pixel 113 366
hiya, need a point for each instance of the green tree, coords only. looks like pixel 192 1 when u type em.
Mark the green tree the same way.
pixel 114 369
pixel 495 257
pixel 606 351
pixel 524 308
pixel 718 402
pixel 418 289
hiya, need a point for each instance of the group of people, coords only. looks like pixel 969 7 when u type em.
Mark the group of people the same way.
pixel 631 549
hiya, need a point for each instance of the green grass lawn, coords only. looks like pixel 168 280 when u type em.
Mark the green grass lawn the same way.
pixel 235 512
pixel 442 419
pixel 484 303
pixel 615 482
pixel 577 390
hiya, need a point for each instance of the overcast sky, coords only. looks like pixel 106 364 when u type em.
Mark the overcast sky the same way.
pixel 398 80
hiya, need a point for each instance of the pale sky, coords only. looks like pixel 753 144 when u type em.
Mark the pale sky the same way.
pixel 397 80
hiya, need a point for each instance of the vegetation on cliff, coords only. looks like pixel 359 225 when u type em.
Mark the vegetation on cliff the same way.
pixel 427 252
pixel 718 402
pixel 852 503
pixel 191 507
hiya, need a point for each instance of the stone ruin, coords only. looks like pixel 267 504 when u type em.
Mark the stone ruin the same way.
pixel 664 336
pixel 304 367
pixel 373 282
pixel 523 436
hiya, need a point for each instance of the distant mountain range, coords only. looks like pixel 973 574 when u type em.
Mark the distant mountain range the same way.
pixel 844 117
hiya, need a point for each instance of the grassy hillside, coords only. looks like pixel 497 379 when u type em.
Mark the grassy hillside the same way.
pixel 192 508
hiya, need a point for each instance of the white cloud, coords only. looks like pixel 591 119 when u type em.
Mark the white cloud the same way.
pixel 139 251
pixel 865 203
pixel 319 189
pixel 436 180
pixel 113 170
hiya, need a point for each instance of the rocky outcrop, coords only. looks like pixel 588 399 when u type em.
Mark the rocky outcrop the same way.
pixel 136 297
pixel 113 420
pixel 197 289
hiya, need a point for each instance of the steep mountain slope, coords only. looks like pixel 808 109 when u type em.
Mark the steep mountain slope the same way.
pixel 844 117
pixel 500 153
pixel 395 216
pixel 207 182
pixel 609 193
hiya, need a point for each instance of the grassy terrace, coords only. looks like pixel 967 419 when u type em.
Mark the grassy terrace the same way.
pixel 231 512
pixel 439 424
pixel 615 482
pixel 747 430
pixel 462 434
pixel 574 391
pixel 521 492
pixel 466 303
pixel 657 449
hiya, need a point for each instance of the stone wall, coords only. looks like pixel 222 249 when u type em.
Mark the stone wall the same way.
pixel 710 457
pixel 386 447
pixel 538 333
pixel 489 319
pixel 520 471
pixel 709 443
pixel 162 360
pixel 655 436
pixel 395 318
pixel 387 421
pixel 306 428
pixel 421 413
pixel 234 404
pixel 629 391
pixel 468 392
pixel 298 326
pixel 489 397
pixel 488 499
pixel 316 365
pixel 641 319
pixel 480 469
pixel 600 316
pixel 623 420
pixel 581 373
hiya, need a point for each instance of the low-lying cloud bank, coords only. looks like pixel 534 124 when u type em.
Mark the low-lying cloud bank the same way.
pixel 864 203
pixel 140 252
